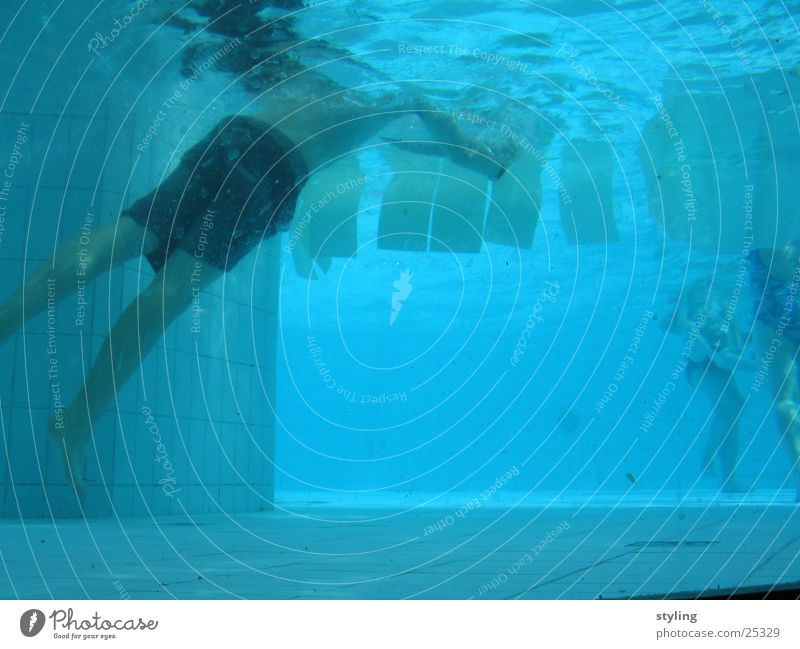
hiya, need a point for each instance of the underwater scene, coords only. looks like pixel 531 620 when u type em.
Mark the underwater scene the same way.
pixel 424 299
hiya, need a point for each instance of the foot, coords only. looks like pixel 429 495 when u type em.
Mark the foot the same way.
pixel 787 411
pixel 5 330
pixel 710 468
pixel 733 486
pixel 709 460
pixel 72 436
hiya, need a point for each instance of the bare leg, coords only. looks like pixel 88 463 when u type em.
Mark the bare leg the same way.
pixel 111 244
pixel 784 382
pixel 723 443
pixel 135 333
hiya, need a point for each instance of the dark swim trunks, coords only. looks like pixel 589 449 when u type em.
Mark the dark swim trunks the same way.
pixel 776 302
pixel 235 187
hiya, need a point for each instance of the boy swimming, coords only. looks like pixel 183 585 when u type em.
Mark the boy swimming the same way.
pixel 236 186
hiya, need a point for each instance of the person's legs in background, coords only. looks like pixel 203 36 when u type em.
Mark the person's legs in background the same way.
pixel 783 379
pixel 720 388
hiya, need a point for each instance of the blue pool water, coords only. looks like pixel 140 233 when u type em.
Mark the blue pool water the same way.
pixel 551 371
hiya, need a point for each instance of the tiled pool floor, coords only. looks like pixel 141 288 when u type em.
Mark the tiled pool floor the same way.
pixel 336 552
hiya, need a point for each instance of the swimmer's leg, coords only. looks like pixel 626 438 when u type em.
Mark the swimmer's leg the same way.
pixel 726 433
pixel 135 333
pixel 108 245
pixel 723 442
pixel 697 377
pixel 783 377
